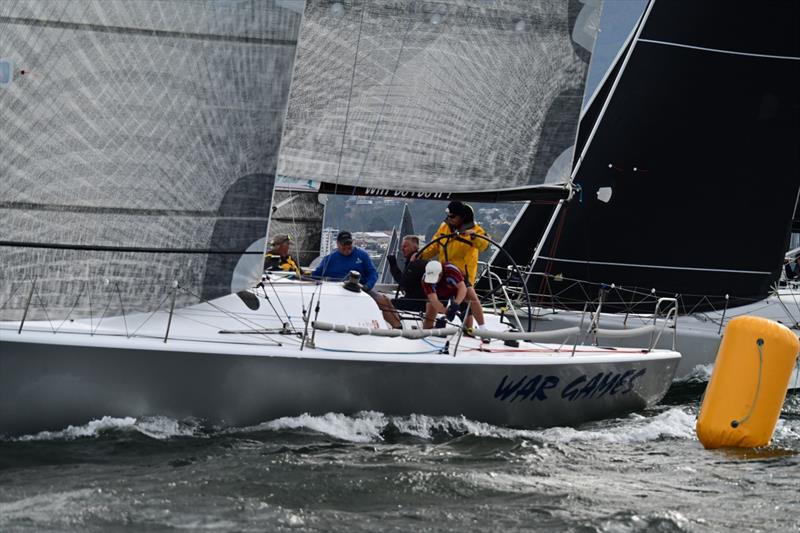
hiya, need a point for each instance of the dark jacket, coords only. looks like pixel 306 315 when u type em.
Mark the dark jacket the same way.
pixel 788 268
pixel 409 280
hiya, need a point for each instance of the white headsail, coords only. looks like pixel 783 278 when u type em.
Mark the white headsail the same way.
pixel 449 96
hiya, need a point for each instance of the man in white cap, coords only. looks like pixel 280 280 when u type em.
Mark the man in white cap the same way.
pixel 440 284
pixel 443 282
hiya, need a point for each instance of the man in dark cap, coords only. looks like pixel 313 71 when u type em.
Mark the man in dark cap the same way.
pixel 346 257
pixel 278 257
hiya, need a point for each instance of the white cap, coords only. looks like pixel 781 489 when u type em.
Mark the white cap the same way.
pixel 432 271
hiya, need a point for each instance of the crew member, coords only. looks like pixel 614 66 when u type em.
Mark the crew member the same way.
pixel 460 241
pixel 440 284
pixel 278 257
pixel 408 279
pixel 346 257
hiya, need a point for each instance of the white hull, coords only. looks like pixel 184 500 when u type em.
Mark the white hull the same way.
pixel 697 337
pixel 87 370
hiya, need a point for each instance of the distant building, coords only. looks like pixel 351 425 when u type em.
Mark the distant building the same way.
pixel 327 242
pixel 374 242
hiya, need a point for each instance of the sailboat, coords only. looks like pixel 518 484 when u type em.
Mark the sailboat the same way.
pixel 687 160
pixel 139 156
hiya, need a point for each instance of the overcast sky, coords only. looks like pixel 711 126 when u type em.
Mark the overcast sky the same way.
pixel 616 22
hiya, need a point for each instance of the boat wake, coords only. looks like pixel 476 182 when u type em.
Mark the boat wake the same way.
pixel 699 374
pixel 375 427
pixel 673 422
pixel 155 427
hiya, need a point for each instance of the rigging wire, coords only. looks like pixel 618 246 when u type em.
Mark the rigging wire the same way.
pixel 409 24
pixel 324 264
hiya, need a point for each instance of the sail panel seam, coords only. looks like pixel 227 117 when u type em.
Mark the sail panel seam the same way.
pixel 639 265
pixel 146 32
pixel 106 210
pixel 97 248
pixel 718 50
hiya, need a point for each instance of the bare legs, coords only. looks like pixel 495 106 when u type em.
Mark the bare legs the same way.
pixel 390 314
pixel 474 308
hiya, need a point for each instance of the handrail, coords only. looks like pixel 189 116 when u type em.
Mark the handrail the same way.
pixel 377 332
pixel 528 335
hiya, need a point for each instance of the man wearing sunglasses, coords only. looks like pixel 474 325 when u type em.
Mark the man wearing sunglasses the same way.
pixel 459 242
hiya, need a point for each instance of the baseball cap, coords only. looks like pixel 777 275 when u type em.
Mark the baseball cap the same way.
pixel 344 237
pixel 456 208
pixel 280 238
pixel 432 271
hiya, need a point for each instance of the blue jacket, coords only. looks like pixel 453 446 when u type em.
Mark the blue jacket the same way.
pixel 338 266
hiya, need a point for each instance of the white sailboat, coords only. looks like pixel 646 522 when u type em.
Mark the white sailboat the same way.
pixel 151 149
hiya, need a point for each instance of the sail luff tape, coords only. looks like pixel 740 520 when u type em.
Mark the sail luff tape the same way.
pixel 748 384
pixel 378 332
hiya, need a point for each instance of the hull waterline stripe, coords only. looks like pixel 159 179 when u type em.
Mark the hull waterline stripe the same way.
pixel 718 50
pixel 606 263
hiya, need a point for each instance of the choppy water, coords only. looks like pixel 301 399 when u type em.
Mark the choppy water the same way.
pixel 644 472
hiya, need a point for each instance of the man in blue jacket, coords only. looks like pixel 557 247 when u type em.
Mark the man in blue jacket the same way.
pixel 338 264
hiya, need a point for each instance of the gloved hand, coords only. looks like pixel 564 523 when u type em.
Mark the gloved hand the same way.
pixel 452 310
pixel 440 323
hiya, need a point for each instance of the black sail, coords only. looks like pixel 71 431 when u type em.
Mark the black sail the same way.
pixel 138 145
pixel 690 177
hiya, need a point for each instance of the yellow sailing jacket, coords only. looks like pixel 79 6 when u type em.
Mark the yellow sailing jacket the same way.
pixel 276 262
pixel 461 250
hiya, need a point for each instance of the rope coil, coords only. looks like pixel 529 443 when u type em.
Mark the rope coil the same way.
pixel 737 423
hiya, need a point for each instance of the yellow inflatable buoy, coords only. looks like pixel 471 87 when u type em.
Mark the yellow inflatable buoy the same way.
pixel 748 385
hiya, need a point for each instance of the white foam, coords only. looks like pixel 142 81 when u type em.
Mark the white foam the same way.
pixel 364 427
pixel 699 374
pixel 157 427
pixel 786 431
pixel 369 425
pixel 46 508
pixel 674 423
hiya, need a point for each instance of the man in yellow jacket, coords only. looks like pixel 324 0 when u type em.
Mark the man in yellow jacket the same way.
pixel 462 249
pixel 278 257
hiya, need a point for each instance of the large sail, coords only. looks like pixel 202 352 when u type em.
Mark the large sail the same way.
pixel 689 179
pixel 435 99
pixel 139 146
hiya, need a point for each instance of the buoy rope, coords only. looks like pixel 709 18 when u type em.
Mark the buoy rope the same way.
pixel 737 423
